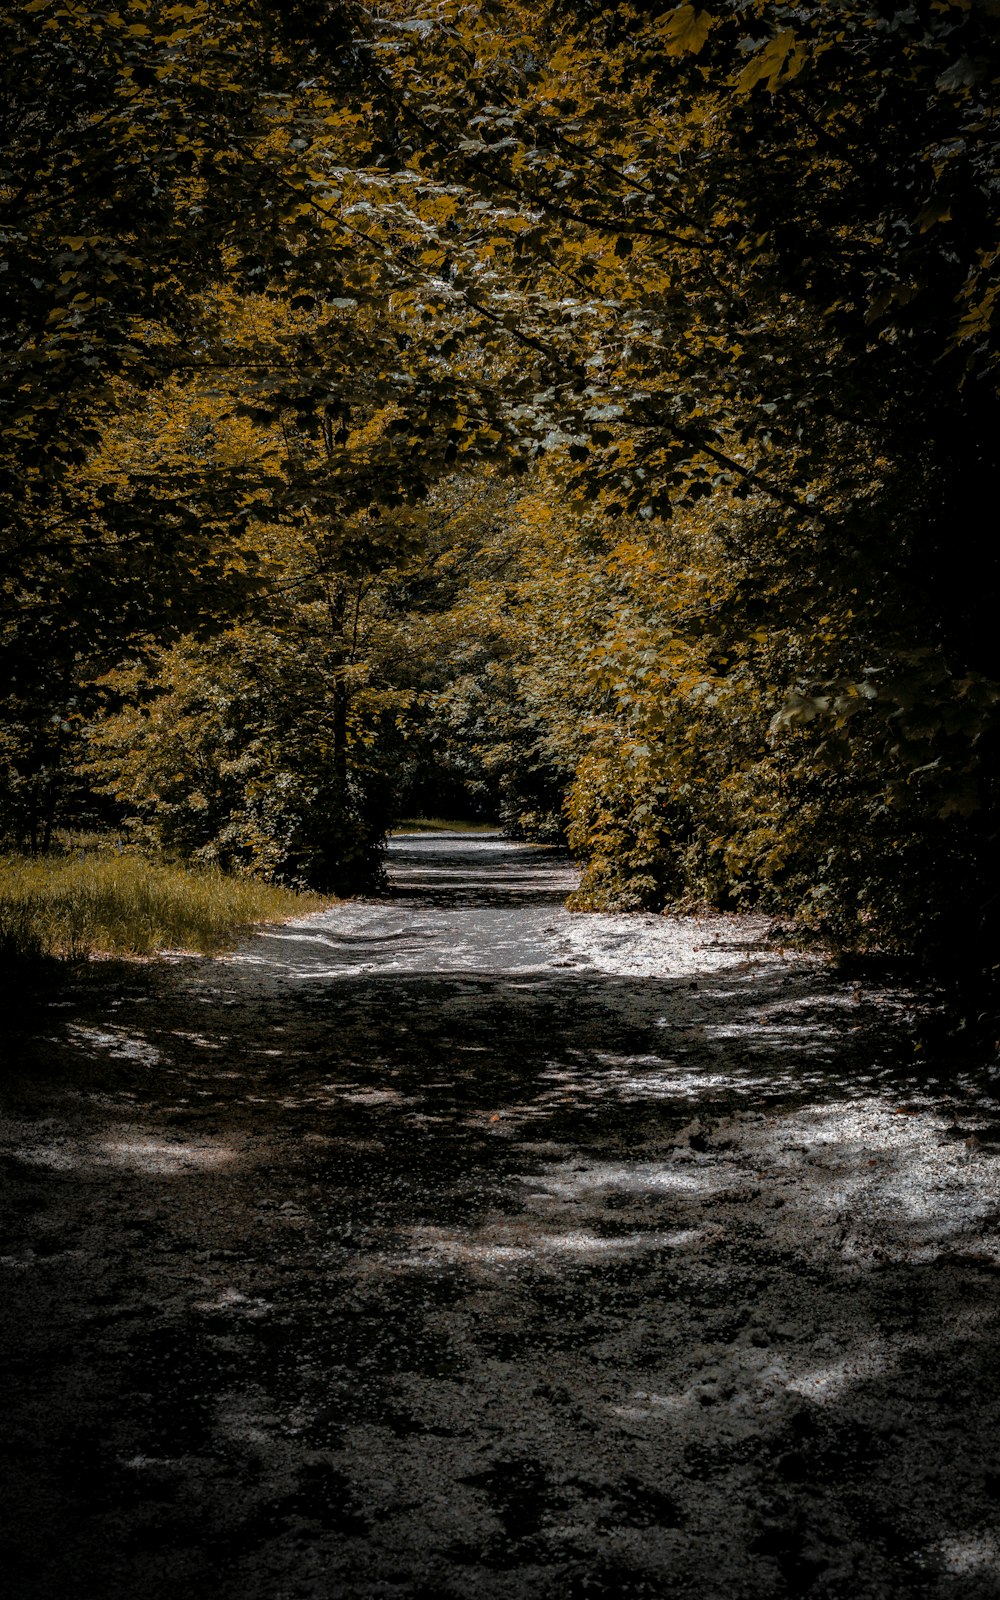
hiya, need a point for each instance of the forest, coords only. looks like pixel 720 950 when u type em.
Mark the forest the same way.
pixel 555 414
pixel 500 799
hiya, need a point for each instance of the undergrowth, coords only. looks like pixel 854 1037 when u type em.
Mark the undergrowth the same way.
pixel 441 825
pixel 99 904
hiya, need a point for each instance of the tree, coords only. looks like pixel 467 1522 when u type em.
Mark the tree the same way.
pixel 172 267
pixel 742 254
pixel 720 281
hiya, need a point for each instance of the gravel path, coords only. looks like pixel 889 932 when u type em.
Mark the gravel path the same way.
pixel 452 1246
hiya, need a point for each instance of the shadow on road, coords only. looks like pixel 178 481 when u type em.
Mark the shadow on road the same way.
pixel 541 1284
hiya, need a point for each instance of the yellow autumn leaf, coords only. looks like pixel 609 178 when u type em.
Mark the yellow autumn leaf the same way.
pixel 780 60
pixel 684 30
pixel 978 319
pixel 933 212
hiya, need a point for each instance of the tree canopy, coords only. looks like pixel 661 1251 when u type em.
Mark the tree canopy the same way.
pixel 583 414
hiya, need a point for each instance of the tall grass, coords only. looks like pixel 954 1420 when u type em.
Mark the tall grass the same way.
pixel 125 905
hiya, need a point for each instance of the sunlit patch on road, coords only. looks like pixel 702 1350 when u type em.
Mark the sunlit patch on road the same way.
pixel 163 1157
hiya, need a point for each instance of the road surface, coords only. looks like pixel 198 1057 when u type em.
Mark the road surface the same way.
pixel 450 1245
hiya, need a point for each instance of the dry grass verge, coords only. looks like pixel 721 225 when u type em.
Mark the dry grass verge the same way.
pixel 127 906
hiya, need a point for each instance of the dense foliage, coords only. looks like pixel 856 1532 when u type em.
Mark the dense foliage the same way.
pixel 551 411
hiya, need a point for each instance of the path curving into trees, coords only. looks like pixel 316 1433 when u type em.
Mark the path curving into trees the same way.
pixel 451 1245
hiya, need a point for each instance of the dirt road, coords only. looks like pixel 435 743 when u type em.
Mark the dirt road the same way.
pixel 452 1246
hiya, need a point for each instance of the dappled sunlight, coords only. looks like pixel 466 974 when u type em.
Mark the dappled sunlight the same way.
pixel 60 1157
pixel 376 1097
pixel 163 1158
pixel 750 1383
pixel 630 945
pixel 145 1152
pixel 611 1178
pixel 231 1302
pixel 854 1184
pixel 826 1383
pixel 414 1217
pixel 522 1243
pixel 631 1079
pixel 447 870
pixel 973 1553
pixel 320 938
pixel 117 1042
pixel 199 1040
pixel 897 1184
